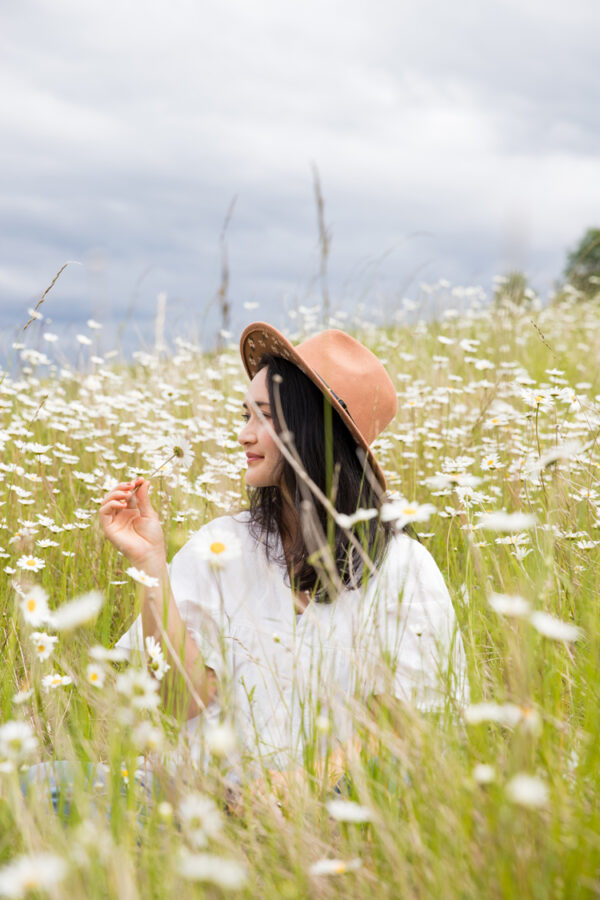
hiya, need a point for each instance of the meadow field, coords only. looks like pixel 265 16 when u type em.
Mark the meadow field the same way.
pixel 497 428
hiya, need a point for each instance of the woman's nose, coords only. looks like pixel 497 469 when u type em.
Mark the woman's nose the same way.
pixel 245 435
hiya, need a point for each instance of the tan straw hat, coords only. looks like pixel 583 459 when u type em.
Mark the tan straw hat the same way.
pixel 352 377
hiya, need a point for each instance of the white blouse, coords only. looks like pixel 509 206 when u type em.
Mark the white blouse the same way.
pixel 282 674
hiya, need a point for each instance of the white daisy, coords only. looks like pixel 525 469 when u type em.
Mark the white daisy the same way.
pixel 528 790
pixel 36 872
pixel 484 773
pixel 34 604
pixel 54 680
pixel 22 696
pixel 43 644
pixel 95 674
pixel 108 654
pixel 402 512
pixel 147 737
pixel 30 563
pixel 17 740
pixel 218 870
pixel 201 818
pixel 141 577
pixel 77 612
pixel 503 521
pixel 508 714
pixel 553 628
pixel 361 515
pixel 509 605
pixel 346 811
pixel 139 687
pixel 220 739
pixel 218 548
pixel 156 660
pixel 334 866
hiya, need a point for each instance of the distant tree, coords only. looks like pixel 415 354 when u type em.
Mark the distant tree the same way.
pixel 513 287
pixel 583 263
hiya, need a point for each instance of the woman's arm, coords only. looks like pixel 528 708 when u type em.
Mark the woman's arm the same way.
pixel 129 521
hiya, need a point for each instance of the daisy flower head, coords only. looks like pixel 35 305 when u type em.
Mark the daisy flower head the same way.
pixel 483 773
pixel 141 577
pixel 334 866
pixel 402 512
pixel 201 818
pixel 490 462
pixel 30 563
pixel 17 740
pixel 34 604
pixel 219 548
pixel 507 714
pixel 43 644
pixel 220 739
pixel 218 870
pixel 554 628
pixel 509 605
pixel 22 696
pixel 528 790
pixel 347 811
pixel 139 687
pixel 177 451
pixel 361 515
pixel 37 872
pixel 156 660
pixel 182 451
pixel 147 737
pixel 506 522
pixel 95 674
pixel 77 612
pixel 54 680
pixel 108 654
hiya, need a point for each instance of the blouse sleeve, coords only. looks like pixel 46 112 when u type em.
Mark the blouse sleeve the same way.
pixel 418 648
pixel 196 588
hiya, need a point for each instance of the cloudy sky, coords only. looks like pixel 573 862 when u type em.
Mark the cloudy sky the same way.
pixel 453 140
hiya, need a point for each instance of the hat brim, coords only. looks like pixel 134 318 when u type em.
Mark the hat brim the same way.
pixel 259 338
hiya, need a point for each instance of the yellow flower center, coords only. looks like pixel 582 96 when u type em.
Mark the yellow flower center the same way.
pixel 41 648
pixel 409 510
pixel 217 547
pixel 94 676
pixel 30 562
pixel 30 604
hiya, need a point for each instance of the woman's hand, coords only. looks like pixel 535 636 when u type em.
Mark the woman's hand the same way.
pixel 131 524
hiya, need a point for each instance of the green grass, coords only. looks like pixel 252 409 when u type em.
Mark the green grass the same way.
pixel 435 830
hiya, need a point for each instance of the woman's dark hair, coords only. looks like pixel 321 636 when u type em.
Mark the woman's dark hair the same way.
pixel 328 453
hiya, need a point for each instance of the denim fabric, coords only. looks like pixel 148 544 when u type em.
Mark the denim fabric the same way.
pixel 56 781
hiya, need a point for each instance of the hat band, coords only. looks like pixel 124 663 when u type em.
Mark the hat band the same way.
pixel 342 403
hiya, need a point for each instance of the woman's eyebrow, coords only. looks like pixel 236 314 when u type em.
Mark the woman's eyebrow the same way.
pixel 264 403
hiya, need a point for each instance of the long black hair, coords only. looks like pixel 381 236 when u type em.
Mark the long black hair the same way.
pixel 328 454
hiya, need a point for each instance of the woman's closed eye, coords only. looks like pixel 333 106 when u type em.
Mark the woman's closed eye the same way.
pixel 246 415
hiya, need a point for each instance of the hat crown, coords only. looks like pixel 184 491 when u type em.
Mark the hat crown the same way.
pixel 356 378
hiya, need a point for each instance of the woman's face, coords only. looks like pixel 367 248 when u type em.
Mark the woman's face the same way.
pixel 265 462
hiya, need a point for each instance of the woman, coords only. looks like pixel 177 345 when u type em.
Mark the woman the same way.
pixel 282 617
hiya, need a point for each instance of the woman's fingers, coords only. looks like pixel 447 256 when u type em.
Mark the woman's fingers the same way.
pixel 112 506
pixel 129 495
pixel 143 501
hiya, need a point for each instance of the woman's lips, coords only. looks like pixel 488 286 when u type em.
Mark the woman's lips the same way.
pixel 252 458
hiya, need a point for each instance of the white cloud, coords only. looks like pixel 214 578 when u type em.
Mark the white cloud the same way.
pixel 130 126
